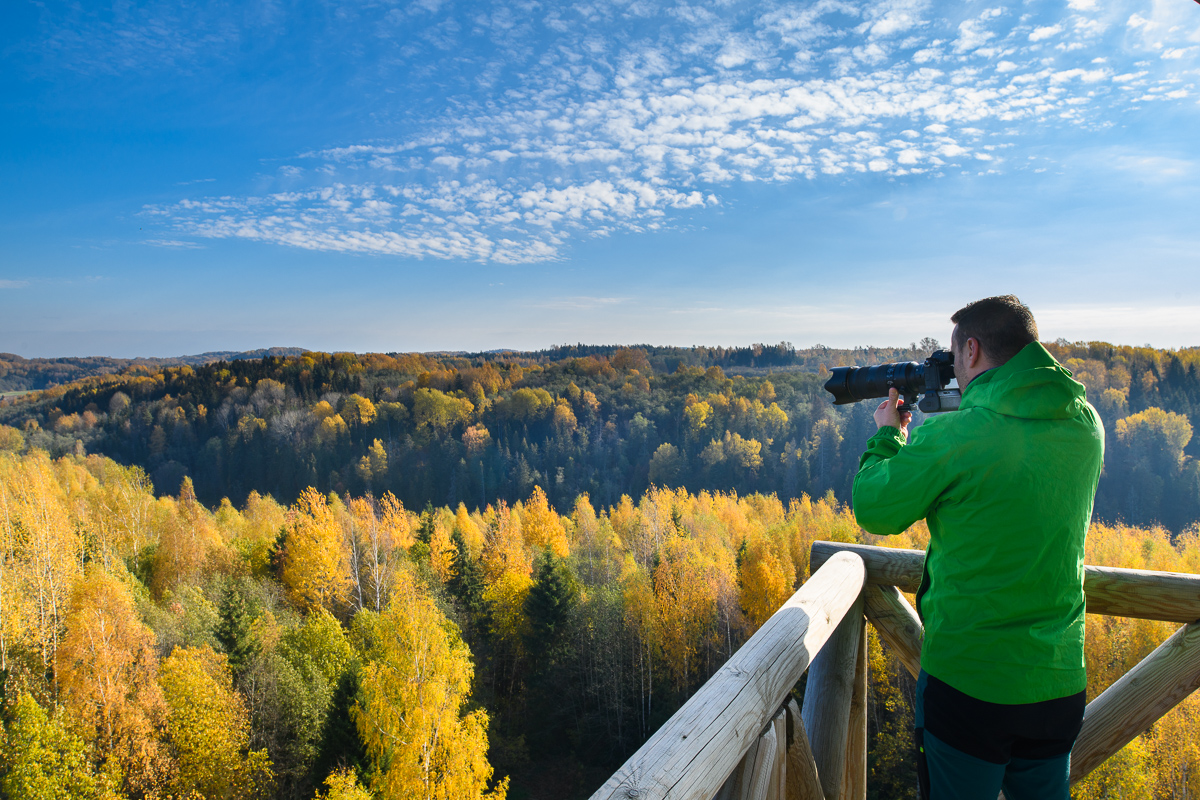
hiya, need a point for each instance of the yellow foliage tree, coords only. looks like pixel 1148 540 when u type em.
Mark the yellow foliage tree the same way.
pixel 343 784
pixel 410 714
pixel 358 410
pixel 765 580
pixel 188 540
pixel 316 568
pixel 542 526
pixel 687 607
pixel 209 729
pixel 41 554
pixel 441 549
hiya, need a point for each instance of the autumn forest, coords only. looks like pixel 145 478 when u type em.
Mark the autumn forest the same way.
pixel 489 575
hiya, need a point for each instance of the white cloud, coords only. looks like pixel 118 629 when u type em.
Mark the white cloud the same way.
pixel 173 243
pixel 1151 167
pixel 1045 32
pixel 971 35
pixel 603 134
pixel 6 283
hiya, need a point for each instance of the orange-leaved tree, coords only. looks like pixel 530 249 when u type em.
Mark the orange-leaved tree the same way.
pixel 106 670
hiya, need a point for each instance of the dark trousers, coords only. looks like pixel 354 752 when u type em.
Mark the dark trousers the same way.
pixel 968 748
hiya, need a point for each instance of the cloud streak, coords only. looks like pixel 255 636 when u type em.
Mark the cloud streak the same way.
pixel 635 119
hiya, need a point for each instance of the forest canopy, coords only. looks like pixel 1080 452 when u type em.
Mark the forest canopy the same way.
pixel 151 647
pixel 604 421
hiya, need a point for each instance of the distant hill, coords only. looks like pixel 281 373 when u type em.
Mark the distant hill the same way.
pixel 600 420
pixel 19 374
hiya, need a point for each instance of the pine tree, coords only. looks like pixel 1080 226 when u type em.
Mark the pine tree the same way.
pixel 234 633
pixel 466 582
pixel 340 747
pixel 555 592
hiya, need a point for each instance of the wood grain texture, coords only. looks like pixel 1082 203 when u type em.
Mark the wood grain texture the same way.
pixel 854 784
pixel 779 774
pixel 756 777
pixel 802 780
pixel 1136 593
pixel 1131 705
pixel 732 788
pixel 897 624
pixel 692 754
pixel 827 696
pixel 886 566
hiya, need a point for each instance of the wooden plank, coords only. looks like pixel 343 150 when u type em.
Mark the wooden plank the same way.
pixel 826 710
pixel 1131 705
pixel 897 624
pixel 1142 594
pixel 886 566
pixel 728 788
pixel 738 780
pixel 802 780
pixel 1136 593
pixel 779 773
pixel 692 754
pixel 756 779
pixel 854 784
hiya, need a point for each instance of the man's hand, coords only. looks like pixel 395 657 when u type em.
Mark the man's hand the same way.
pixel 888 413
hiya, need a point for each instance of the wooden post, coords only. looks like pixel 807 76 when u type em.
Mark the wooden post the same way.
pixel 779 776
pixel 756 777
pixel 827 694
pixel 854 784
pixel 729 788
pixel 1135 593
pixel 897 624
pixel 692 754
pixel 803 782
pixel 1131 705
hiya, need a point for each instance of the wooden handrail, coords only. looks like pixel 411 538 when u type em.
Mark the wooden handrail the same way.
pixel 1138 699
pixel 732 736
pixel 694 752
pixel 1136 593
pixel 1123 711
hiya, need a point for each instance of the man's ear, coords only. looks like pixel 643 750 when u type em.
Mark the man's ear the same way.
pixel 974 352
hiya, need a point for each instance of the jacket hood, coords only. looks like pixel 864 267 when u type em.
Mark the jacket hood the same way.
pixel 1032 385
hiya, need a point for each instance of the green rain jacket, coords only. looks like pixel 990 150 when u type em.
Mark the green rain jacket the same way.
pixel 1006 485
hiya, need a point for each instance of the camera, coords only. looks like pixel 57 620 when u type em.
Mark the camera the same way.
pixel 927 380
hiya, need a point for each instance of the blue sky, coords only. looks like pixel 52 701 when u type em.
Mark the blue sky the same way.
pixel 182 177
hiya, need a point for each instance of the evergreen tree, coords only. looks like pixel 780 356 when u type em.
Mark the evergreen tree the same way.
pixel 552 693
pixel 234 632
pixel 340 746
pixel 466 583
pixel 424 533
pixel 555 592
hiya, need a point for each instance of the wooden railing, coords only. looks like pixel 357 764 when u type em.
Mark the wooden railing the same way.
pixel 742 737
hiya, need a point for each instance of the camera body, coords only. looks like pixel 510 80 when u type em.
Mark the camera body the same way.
pixel 922 385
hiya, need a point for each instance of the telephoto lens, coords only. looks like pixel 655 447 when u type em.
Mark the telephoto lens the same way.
pixel 912 380
pixel 851 384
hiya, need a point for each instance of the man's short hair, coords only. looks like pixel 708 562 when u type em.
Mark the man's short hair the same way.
pixel 1002 325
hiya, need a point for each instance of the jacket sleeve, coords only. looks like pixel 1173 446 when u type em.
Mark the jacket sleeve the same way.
pixel 897 483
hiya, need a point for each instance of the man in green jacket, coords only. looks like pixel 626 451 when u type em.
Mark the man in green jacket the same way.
pixel 1006 485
